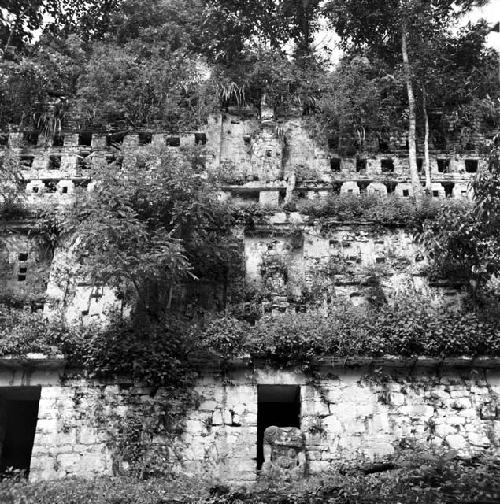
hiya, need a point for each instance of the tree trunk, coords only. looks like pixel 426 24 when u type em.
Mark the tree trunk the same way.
pixel 412 120
pixel 427 164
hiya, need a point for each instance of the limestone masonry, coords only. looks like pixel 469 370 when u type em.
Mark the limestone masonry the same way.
pixel 350 410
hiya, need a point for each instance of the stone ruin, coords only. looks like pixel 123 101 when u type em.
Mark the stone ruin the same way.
pixel 284 453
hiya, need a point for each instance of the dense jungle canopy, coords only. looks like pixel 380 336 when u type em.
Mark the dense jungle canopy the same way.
pixel 166 64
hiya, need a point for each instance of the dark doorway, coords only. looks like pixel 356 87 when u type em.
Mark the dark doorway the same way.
pixel 18 417
pixel 277 405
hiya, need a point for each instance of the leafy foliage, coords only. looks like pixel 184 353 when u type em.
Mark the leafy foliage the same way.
pixel 463 243
pixel 418 477
pixel 388 210
pixel 150 226
pixel 409 328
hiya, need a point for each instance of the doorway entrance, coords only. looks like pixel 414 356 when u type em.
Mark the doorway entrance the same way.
pixel 277 405
pixel 18 417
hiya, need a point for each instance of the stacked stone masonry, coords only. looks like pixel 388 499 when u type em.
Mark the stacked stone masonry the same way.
pixel 257 161
pixel 347 413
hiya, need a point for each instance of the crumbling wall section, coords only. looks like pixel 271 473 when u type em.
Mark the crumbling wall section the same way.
pixel 350 411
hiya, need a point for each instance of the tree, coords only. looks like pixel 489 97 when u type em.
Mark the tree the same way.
pixel 463 242
pixel 150 226
pixel 389 28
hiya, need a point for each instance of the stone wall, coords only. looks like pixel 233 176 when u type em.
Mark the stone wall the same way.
pixel 267 156
pixel 349 411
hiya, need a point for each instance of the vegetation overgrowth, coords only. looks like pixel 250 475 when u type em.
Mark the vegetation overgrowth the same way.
pixel 161 355
pixel 413 477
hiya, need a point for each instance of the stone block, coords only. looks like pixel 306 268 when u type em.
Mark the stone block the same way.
pixel 397 399
pixel 377 450
pixel 442 430
pixel 47 426
pixel 380 422
pixel 318 466
pixel 488 411
pixel 196 427
pixel 455 420
pixel 332 426
pixel 478 439
pixel 456 441
pixel 87 436
pixel 461 403
pixel 227 417
pixel 217 417
pixel 208 405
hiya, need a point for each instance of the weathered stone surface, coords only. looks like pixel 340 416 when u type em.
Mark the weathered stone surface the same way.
pixel 284 452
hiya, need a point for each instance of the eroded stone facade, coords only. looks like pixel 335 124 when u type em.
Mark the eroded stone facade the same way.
pixel 357 410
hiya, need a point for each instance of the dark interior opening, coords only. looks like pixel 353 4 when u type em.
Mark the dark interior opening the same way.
pixel 117 138
pixel 201 138
pixel 145 138
pixel 27 161
pixel 173 141
pixel 277 405
pixel 58 140
pixel 443 165
pixel 31 138
pixel 406 193
pixel 383 146
pixel 360 164
pixel 420 165
pixel 391 187
pixel 335 164
pixel 85 138
pixel 387 165
pixel 363 186
pixel 471 165
pixel 18 417
pixel 55 163
pixel 448 188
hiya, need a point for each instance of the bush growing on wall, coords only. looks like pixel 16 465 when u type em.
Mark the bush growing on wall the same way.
pixel 405 330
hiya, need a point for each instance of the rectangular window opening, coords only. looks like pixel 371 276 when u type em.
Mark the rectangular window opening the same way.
pixel 55 163
pixel 435 194
pixel 115 139
pixel 22 256
pixel 443 165
pixel 31 138
pixel 471 165
pixel 387 165
pixel 420 165
pixel 448 189
pixel 145 138
pixel 335 164
pixel 18 418
pixel 50 186
pixel 85 139
pixel 200 138
pixel 277 405
pixel 173 141
pixel 360 164
pixel 27 161
pixel 58 140
pixel 406 193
